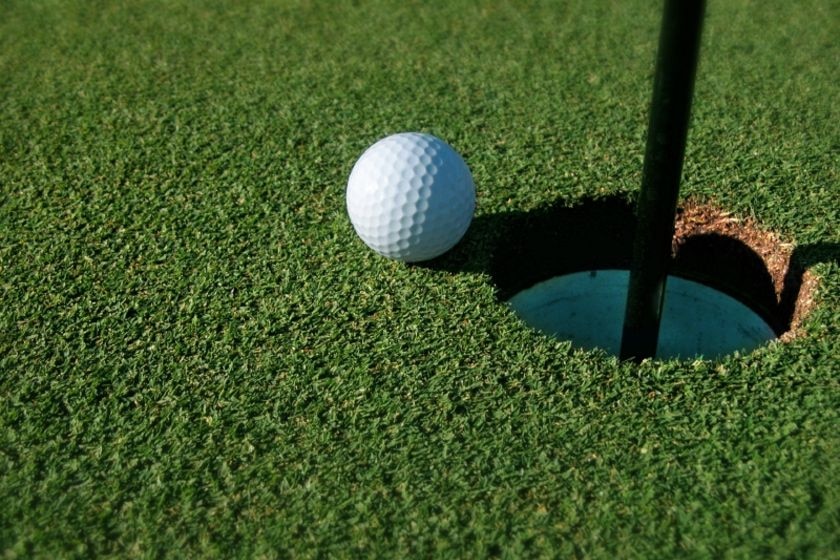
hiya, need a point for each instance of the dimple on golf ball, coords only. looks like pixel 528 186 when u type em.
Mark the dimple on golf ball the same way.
pixel 410 197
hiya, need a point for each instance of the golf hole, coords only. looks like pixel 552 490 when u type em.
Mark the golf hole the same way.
pixel 734 287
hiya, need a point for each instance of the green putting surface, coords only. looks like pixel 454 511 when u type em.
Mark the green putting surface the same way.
pixel 198 358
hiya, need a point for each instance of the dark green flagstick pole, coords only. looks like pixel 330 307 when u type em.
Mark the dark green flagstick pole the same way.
pixel 676 63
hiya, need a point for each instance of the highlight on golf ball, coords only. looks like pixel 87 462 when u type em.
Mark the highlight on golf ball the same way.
pixel 410 197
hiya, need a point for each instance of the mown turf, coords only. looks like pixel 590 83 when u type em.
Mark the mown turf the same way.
pixel 199 358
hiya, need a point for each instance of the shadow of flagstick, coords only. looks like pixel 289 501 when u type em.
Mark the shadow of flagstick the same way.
pixel 803 258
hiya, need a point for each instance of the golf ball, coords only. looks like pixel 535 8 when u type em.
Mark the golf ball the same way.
pixel 410 197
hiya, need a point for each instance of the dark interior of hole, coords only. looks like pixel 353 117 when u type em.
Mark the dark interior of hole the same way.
pixel 558 239
pixel 598 234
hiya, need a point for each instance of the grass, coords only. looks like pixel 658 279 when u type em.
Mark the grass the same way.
pixel 198 357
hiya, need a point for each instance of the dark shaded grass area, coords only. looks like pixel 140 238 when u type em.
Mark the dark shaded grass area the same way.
pixel 197 356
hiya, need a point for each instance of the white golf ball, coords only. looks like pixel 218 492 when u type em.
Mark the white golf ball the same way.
pixel 410 197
